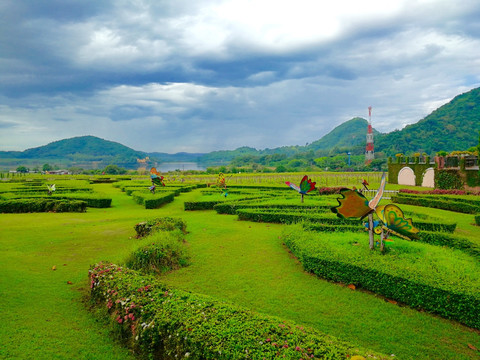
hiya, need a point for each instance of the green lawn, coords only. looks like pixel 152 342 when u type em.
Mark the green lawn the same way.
pixel 43 317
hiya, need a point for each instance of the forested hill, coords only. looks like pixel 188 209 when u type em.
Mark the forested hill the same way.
pixel 349 134
pixel 453 126
pixel 81 151
pixel 86 146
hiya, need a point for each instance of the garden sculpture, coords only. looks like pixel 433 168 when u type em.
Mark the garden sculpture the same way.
pixel 157 179
pixel 222 184
pixel 353 204
pixel 51 189
pixel 306 185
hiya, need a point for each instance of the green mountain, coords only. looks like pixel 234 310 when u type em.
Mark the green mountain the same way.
pixel 82 151
pixel 453 126
pixel 90 147
pixel 348 135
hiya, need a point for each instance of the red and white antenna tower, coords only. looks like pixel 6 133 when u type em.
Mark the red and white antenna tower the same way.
pixel 369 153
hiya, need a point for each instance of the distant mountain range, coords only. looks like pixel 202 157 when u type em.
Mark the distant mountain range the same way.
pixel 453 126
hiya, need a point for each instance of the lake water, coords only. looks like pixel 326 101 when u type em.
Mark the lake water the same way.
pixel 172 166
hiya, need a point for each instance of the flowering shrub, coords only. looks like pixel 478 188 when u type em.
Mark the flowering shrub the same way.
pixel 437 192
pixel 163 323
pixel 329 190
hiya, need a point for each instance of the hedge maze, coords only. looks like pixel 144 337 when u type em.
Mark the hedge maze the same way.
pixel 439 272
pixel 33 196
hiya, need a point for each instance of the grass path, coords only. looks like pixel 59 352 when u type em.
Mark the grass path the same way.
pixel 42 317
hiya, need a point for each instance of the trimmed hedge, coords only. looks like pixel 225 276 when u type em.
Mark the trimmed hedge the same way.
pixel 160 224
pixel 208 205
pixel 332 228
pixel 477 220
pixel 153 201
pixel 231 208
pixel 457 205
pixel 450 240
pixel 263 215
pixel 92 199
pixel 162 323
pixel 158 190
pixel 200 205
pixel 428 237
pixel 59 189
pixel 407 276
pixel 41 205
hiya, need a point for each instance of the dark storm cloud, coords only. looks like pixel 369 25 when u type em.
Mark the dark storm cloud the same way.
pixel 208 75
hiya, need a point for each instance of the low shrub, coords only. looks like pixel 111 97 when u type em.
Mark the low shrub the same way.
pixel 450 240
pixel 332 228
pixel 284 217
pixel 163 323
pixel 160 224
pixel 92 199
pixel 200 205
pixel 436 279
pixel 164 252
pixel 231 208
pixel 477 220
pixel 438 203
pixel 103 180
pixel 41 205
pixel 153 201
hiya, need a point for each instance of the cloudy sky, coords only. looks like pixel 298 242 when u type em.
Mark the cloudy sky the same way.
pixel 204 75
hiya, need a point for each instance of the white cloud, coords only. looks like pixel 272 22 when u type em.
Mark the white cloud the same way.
pixel 210 75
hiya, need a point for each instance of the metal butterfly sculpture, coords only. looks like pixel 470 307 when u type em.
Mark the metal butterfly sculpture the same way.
pixel 51 189
pixel 306 185
pixel 393 220
pixel 353 204
pixel 222 184
pixel 157 179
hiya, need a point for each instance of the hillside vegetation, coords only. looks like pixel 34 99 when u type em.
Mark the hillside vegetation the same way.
pixel 453 126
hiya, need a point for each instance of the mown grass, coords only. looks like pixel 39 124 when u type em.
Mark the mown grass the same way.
pixel 43 317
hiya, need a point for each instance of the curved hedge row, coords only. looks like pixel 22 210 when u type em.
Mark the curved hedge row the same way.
pixel 283 217
pixel 450 240
pixel 450 290
pixel 153 201
pixel 163 323
pixel 41 205
pixel 231 208
pixel 434 202
pixel 92 199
